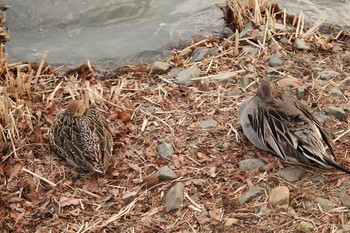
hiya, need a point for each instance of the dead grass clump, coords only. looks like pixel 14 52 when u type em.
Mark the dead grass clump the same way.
pixel 38 193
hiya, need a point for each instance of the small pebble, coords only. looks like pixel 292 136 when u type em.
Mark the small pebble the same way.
pixel 174 197
pixel 165 150
pixel 305 226
pixel 249 164
pixel 279 197
pixel 300 44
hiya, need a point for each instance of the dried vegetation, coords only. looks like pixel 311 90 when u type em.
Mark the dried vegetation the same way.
pixel 38 193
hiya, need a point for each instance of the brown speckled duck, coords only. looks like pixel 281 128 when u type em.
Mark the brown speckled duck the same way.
pixel 81 137
pixel 282 125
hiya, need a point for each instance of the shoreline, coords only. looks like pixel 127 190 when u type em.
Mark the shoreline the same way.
pixel 176 136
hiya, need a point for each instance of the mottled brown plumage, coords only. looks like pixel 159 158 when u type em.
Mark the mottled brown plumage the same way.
pixel 81 137
pixel 278 123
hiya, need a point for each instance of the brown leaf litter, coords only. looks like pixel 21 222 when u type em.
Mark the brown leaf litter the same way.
pixel 39 193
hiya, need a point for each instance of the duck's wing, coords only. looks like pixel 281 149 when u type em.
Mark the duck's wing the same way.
pixel 265 127
pixel 66 141
pixel 102 137
pixel 324 136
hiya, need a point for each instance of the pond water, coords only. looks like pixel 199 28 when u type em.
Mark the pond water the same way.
pixel 117 32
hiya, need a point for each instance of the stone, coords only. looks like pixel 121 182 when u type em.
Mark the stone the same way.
pixel 174 197
pixel 234 92
pixel 335 91
pixel 346 107
pixel 249 164
pixel 346 227
pixel 279 197
pixel 200 53
pixel 227 32
pixel 300 44
pixel 251 194
pixel 325 204
pixel 174 72
pixel 224 78
pixel 323 118
pixel 210 123
pixel 344 198
pixel 250 50
pixel 301 92
pixel 339 113
pixel 185 53
pixel 165 150
pixel 185 77
pixel 275 60
pixel 305 226
pixel 317 178
pixel 263 211
pixel 290 173
pixel 345 82
pixel 159 67
pixel 288 82
pixel 327 74
pixel 165 173
pixel 284 40
pixel 230 221
pixel 308 204
pixel 245 80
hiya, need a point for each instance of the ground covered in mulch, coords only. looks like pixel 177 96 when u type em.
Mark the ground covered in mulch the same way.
pixel 39 193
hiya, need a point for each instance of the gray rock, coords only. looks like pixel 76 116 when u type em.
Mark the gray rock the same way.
pixel 317 178
pixel 324 118
pixel 165 173
pixel 328 74
pixel 234 92
pixel 224 78
pixel 325 204
pixel 165 150
pixel 205 213
pixel 335 91
pixel 300 44
pixel 249 164
pixel 159 67
pixel 174 72
pixel 227 32
pixel 275 60
pixel 302 90
pixel 185 53
pixel 263 211
pixel 290 173
pixel 346 107
pixel 252 193
pixel 210 123
pixel 185 77
pixel 308 204
pixel 250 50
pixel 200 53
pixel 245 80
pixel 284 40
pixel 339 113
pixel 344 198
pixel 345 82
pixel 174 197
pixel 250 68
pixel 279 197
pixel 305 227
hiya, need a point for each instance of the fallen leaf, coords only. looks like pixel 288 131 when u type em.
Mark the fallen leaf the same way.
pixel 134 167
pixel 215 214
pixel 66 201
pixel 202 219
pixel 125 117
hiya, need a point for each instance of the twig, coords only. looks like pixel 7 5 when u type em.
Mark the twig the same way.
pixel 341 135
pixel 39 177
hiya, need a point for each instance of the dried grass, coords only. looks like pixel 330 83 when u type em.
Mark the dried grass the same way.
pixel 38 193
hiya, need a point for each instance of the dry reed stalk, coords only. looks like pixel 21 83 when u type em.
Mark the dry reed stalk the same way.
pixel 39 177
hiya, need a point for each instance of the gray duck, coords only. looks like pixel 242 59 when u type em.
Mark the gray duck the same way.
pixel 280 124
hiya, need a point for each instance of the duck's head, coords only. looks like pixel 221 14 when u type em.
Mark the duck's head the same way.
pixel 76 108
pixel 266 90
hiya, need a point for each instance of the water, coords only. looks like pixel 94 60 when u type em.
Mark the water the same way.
pixel 117 32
